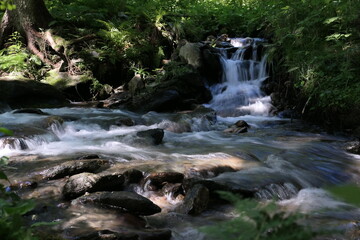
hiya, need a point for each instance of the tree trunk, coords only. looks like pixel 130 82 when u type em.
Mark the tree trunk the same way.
pixel 31 19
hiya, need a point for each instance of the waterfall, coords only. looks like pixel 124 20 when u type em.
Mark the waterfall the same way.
pixel 239 92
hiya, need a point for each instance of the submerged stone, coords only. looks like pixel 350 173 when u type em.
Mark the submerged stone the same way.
pixel 30 110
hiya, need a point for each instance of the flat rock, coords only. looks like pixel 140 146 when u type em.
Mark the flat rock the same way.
pixel 73 167
pixel 125 201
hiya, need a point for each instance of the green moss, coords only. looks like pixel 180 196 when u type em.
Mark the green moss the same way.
pixel 62 80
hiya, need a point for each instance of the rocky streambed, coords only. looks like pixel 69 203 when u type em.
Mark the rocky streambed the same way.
pixel 113 174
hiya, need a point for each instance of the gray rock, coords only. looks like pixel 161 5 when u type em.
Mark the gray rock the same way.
pixel 126 201
pixel 79 184
pixel 154 135
pixel 73 167
pixel 136 84
pixel 191 54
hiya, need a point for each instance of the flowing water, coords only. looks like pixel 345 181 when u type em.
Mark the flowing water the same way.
pixel 276 158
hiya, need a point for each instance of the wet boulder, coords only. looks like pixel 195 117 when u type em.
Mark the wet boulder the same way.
pixel 73 167
pixel 196 200
pixel 52 120
pixel 155 136
pixel 133 176
pixel 125 201
pixel 124 121
pixel 239 127
pixel 14 143
pixel 79 184
pixel 30 111
pixel 109 182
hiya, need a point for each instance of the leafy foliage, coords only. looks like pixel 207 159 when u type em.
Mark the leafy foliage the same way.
pixel 257 221
pixel 7 4
pixel 16 58
pixel 12 208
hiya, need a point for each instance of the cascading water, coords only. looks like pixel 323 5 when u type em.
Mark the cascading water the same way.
pixel 239 92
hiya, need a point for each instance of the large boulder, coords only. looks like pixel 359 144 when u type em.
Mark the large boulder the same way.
pixel 180 88
pixel 191 54
pixel 79 184
pixel 30 93
pixel 126 201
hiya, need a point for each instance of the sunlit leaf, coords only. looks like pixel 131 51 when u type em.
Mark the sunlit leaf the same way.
pixel 331 20
pixel 6 131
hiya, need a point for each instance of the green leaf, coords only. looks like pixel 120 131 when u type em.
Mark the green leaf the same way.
pixel 331 20
pixel 348 193
pixel 6 131
pixel 3 176
pixel 20 208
